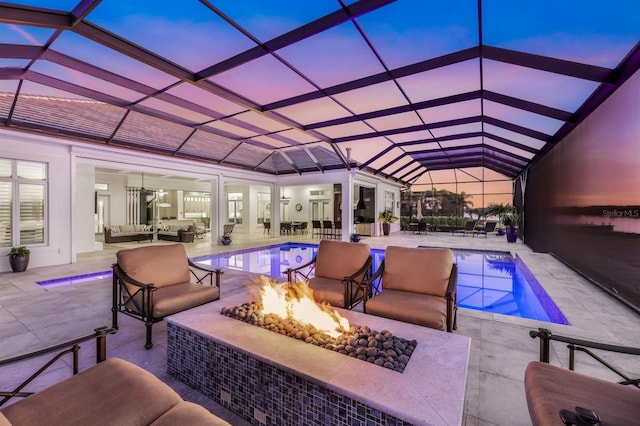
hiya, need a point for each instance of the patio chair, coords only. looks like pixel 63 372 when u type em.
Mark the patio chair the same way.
pixel 303 228
pixel 554 392
pixel 488 227
pixel 469 227
pixel 327 229
pixel 337 274
pixel 422 227
pixel 415 285
pixel 228 228
pixel 150 283
pixel 316 228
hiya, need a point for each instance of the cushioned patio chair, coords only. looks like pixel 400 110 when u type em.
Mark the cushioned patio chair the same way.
pixel 150 283
pixel 112 392
pixel 337 274
pixel 415 285
pixel 469 227
pixel 488 228
pixel 553 392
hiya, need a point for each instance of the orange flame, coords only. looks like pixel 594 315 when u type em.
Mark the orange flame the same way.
pixel 295 301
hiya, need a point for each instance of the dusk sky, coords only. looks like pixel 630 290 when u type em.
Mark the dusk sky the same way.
pixel 399 34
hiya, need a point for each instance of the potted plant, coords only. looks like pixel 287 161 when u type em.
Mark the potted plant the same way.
pixel 500 210
pixel 387 218
pixel 511 221
pixel 19 258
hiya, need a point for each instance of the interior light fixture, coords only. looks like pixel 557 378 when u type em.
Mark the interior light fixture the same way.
pixel 361 205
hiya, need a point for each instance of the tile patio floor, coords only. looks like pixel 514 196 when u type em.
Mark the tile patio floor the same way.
pixel 32 317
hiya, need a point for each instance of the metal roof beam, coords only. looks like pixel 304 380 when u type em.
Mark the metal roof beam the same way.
pixel 533 107
pixel 305 31
pixel 546 63
pixel 37 17
pixel 429 64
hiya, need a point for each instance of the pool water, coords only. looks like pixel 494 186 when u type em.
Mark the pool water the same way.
pixel 488 281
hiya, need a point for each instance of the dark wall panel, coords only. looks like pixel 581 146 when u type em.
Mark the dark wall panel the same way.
pixel 582 200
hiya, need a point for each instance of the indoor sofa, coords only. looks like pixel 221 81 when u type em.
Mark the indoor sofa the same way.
pixel 178 233
pixel 127 233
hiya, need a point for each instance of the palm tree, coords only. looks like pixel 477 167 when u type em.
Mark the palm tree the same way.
pixel 463 203
pixel 500 210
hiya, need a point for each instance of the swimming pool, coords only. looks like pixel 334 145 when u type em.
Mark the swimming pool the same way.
pixel 488 281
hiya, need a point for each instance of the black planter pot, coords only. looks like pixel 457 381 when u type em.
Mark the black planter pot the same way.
pixel 385 228
pixel 225 241
pixel 512 234
pixel 19 263
pixel 355 238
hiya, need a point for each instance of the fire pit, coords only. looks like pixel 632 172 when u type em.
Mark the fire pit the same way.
pixel 378 347
pixel 268 378
pixel 290 309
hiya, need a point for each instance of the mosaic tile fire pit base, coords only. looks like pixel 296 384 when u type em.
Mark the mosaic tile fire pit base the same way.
pixel 262 390
pixel 271 379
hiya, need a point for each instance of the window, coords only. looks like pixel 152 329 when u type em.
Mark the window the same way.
pixel 23 189
pixel 389 198
pixel 234 212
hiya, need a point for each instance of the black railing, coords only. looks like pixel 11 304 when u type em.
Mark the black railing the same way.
pixel 585 346
pixel 72 346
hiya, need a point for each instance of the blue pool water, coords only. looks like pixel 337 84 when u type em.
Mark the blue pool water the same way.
pixel 76 279
pixel 487 281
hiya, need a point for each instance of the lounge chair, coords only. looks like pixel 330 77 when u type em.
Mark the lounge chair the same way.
pixel 469 227
pixel 488 227
pixel 553 392
pixel 340 272
pixel 416 285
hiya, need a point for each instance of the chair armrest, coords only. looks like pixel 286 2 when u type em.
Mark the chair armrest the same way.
pixel 453 284
pixel 71 346
pixel 291 271
pixel 208 273
pixel 581 345
pixel 377 275
pixel 364 270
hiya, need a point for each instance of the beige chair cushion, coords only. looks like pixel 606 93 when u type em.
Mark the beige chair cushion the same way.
pixel 4 421
pixel 426 310
pixel 113 392
pixel 163 265
pixel 177 298
pixel 550 388
pixel 419 270
pixel 339 259
pixel 331 291
pixel 188 413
